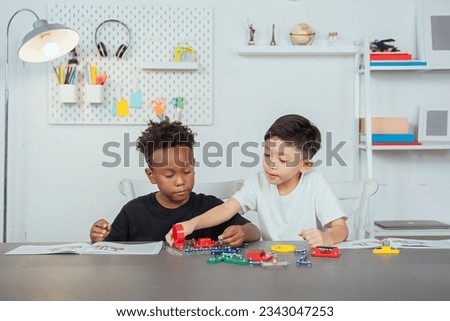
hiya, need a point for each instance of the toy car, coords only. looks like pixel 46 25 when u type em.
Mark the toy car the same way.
pixel 204 243
pixel 259 256
pixel 326 251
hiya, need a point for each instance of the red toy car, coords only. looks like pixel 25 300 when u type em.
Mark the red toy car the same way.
pixel 259 256
pixel 204 243
pixel 326 251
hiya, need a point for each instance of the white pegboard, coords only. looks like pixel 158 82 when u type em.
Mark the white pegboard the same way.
pixel 155 32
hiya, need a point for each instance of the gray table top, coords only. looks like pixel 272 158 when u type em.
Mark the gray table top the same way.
pixel 415 274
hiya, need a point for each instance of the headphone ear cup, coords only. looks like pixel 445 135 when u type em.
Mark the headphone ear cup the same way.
pixel 102 49
pixel 121 51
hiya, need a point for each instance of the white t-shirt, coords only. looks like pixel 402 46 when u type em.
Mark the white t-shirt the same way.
pixel 281 218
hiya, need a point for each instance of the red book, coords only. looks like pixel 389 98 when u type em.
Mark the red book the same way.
pixel 396 55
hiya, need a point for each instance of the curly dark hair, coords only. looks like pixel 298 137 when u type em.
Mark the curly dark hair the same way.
pixel 297 131
pixel 163 134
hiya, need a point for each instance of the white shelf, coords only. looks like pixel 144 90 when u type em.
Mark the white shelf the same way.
pixel 170 65
pixel 296 50
pixel 408 147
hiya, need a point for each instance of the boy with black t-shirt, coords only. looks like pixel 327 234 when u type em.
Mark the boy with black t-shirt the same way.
pixel 168 150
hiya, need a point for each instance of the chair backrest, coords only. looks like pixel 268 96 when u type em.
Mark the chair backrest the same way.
pixel 354 197
pixel 133 188
pixel 223 190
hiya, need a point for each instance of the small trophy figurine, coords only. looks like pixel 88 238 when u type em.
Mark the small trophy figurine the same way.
pixel 273 43
pixel 251 42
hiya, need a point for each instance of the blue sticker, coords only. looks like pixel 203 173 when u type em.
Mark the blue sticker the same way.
pixel 136 100
pixel 114 108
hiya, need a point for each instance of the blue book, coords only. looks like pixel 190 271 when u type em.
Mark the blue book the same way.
pixel 392 138
pixel 397 63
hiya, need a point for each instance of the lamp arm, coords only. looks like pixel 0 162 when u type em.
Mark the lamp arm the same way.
pixel 5 163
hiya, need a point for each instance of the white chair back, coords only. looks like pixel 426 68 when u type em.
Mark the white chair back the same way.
pixel 354 197
pixel 133 188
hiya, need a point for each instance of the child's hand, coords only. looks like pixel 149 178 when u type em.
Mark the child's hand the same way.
pixel 169 238
pixel 315 237
pixel 100 230
pixel 188 228
pixel 233 235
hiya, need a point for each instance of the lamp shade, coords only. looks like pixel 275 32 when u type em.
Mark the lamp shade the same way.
pixel 47 41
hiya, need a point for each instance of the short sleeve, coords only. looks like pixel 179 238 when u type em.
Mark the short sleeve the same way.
pixel 328 206
pixel 246 196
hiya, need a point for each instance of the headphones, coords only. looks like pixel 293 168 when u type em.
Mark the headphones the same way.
pixel 101 46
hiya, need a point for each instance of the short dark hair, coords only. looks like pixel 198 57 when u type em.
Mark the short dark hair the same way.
pixel 164 134
pixel 298 131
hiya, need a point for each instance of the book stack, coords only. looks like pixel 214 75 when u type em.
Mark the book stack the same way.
pixel 394 59
pixel 388 131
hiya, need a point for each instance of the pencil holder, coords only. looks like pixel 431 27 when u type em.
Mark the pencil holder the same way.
pixel 94 94
pixel 68 94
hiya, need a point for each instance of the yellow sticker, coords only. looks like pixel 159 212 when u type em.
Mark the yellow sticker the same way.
pixel 122 108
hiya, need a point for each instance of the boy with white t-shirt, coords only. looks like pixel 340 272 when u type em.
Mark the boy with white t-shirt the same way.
pixel 291 199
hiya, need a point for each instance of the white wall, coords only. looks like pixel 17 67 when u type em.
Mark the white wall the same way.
pixel 58 186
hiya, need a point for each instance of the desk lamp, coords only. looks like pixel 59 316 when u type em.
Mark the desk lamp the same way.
pixel 44 43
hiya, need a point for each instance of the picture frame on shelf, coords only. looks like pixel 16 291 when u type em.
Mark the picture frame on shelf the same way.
pixel 434 124
pixel 433 23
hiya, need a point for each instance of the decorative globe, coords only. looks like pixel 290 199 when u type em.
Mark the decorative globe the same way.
pixel 302 34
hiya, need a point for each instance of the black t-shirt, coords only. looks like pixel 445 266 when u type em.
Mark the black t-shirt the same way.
pixel 144 219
